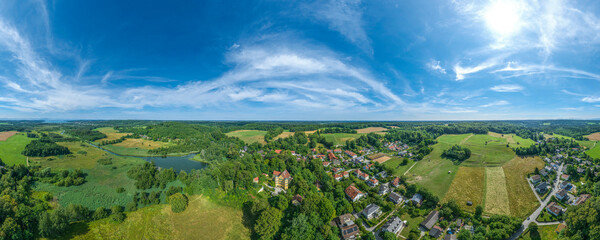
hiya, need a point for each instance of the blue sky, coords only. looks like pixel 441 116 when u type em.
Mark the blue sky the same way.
pixel 300 60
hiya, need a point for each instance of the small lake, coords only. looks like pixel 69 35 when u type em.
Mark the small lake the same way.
pixel 178 163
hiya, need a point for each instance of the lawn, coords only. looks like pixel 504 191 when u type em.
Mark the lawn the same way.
pixel 496 193
pixel 493 154
pixel 249 136
pixel 547 232
pixel 521 197
pixel 412 223
pixel 433 172
pixel 396 164
pixel 10 150
pixel 111 134
pixel 202 219
pixel 468 185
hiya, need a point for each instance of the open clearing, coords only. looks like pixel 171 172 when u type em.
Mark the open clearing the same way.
pixel 521 198
pixel 513 140
pixel 382 159
pixel 493 154
pixel 249 136
pixel 594 152
pixel 434 172
pixel 111 134
pixel 83 156
pixel 284 134
pixel 546 232
pixel 6 135
pixel 496 195
pixel 11 149
pixel 371 129
pixel 341 138
pixel 468 185
pixel 396 164
pixel 141 143
pixel 202 219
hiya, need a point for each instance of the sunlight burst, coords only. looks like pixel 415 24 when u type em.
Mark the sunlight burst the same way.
pixel 503 17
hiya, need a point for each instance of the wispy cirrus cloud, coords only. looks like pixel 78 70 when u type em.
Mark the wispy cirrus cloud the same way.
pixel 345 17
pixel 507 88
pixel 496 103
pixel 591 99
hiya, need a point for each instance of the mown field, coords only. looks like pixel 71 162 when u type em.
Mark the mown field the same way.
pixel 341 138
pixel 396 164
pixel 202 219
pixel 371 129
pixel 10 150
pixel 249 136
pixel 496 193
pixel 593 136
pixel 468 185
pixel 493 154
pixel 513 140
pixel 433 172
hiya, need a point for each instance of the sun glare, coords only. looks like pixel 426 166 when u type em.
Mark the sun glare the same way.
pixel 503 17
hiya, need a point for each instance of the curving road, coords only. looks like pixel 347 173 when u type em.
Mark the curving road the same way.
pixel 536 213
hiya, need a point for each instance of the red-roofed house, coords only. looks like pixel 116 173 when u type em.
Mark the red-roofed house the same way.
pixel 565 177
pixel 363 176
pixel 337 150
pixel 326 164
pixel 278 151
pixel 396 182
pixel 338 177
pixel 282 179
pixel 350 153
pixel 353 193
pixel 331 156
pixel 255 180
pixel 373 182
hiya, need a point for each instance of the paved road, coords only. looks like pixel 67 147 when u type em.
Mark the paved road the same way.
pixel 534 215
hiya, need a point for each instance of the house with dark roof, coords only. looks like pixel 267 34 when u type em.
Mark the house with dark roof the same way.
pixel 450 237
pixel 542 188
pixel 393 225
pixel 353 193
pixel 535 179
pixel 282 179
pixel 544 172
pixel 396 198
pixel 371 211
pixel 555 209
pixel 297 200
pixel 565 185
pixel 562 195
pixel 348 228
pixel 417 199
pixel 436 232
pixel 431 220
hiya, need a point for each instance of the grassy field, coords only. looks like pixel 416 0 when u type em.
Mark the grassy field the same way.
pixel 547 232
pixel 513 140
pixel 396 164
pixel 111 134
pixel 587 144
pixel 556 136
pixel 434 172
pixel 202 219
pixel 83 156
pixel 249 136
pixel 10 150
pixel 594 152
pixel 340 138
pixel 522 200
pixel 493 154
pixel 468 185
pixel 496 194
pixel 284 134
pixel 141 143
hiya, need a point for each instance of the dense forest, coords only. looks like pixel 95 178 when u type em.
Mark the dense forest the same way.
pixel 44 148
pixel 457 153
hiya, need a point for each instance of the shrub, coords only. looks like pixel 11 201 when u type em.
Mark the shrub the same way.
pixel 100 213
pixel 178 202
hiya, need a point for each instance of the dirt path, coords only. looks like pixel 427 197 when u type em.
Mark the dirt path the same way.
pixel 410 168
pixel 466 139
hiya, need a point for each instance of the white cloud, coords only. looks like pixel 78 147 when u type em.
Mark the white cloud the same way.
pixel 507 88
pixel 462 71
pixel 591 99
pixel 435 66
pixel 344 16
pixel 496 103
pixel 572 109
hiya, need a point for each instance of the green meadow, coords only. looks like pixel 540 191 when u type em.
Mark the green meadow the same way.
pixel 341 138
pixel 487 151
pixel 249 136
pixel 10 150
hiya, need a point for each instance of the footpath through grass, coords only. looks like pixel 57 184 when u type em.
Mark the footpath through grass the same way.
pixel 203 219
pixel 10 150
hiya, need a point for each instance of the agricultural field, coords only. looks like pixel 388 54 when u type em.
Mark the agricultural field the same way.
pixel 6 135
pixel 202 219
pixel 11 148
pixel 111 134
pixel 493 154
pixel 468 185
pixel 249 136
pixel 593 136
pixel 513 140
pixel 496 193
pixel 522 200
pixel 371 129
pixel 396 164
